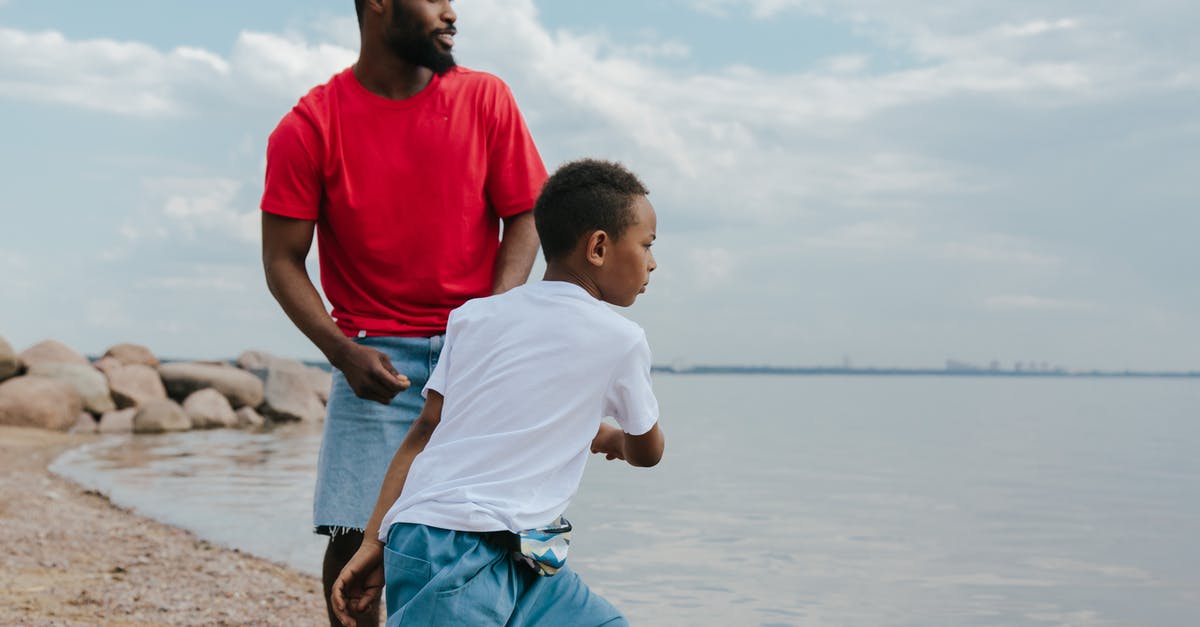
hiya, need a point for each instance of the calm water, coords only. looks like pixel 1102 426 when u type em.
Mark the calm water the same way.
pixel 809 501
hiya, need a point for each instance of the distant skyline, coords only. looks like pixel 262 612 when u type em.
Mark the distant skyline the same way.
pixel 895 181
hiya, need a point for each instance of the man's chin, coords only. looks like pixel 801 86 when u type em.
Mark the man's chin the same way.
pixel 441 70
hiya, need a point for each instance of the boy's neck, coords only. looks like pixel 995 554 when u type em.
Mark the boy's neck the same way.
pixel 557 271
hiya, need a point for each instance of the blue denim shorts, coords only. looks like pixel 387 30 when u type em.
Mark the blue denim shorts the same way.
pixel 361 436
pixel 439 577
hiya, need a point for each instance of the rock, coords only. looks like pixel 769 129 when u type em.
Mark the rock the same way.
pixel 10 365
pixel 209 409
pixel 159 416
pixel 39 402
pixel 90 383
pixel 107 365
pixel 119 421
pixel 260 363
pixel 239 386
pixel 85 423
pixel 320 382
pixel 288 394
pixel 255 360
pixel 130 354
pixel 134 384
pixel 51 352
pixel 247 417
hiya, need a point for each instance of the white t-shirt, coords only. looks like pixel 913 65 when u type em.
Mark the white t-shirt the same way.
pixel 527 376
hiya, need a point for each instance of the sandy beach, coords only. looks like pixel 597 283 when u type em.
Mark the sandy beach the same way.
pixel 73 558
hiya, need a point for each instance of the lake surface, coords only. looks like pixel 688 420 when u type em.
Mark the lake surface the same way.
pixel 862 501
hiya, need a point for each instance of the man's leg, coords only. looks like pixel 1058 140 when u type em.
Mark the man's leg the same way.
pixel 359 439
pixel 339 551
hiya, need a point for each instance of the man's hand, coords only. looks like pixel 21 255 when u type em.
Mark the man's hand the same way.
pixel 609 441
pixel 369 373
pixel 360 583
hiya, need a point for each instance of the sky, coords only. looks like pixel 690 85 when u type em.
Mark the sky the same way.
pixel 888 183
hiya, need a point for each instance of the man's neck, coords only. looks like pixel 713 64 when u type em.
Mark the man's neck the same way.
pixel 388 76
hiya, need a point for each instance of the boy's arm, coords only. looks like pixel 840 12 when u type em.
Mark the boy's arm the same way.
pixel 639 450
pixel 361 581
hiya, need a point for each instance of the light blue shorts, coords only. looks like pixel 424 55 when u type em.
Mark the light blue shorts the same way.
pixel 361 436
pixel 438 577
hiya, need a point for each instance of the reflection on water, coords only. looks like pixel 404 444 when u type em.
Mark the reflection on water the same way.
pixel 251 490
pixel 809 501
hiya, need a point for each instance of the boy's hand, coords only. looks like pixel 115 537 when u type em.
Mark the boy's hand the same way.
pixel 360 583
pixel 369 373
pixel 609 441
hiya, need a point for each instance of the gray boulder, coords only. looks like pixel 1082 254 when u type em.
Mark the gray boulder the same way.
pixel 10 365
pixel 255 360
pixel 209 409
pixel 119 421
pixel 160 416
pixel 130 354
pixel 90 383
pixel 85 423
pixel 248 418
pixel 51 352
pixel 239 386
pixel 134 384
pixel 39 402
pixel 108 364
pixel 260 363
pixel 289 394
pixel 319 381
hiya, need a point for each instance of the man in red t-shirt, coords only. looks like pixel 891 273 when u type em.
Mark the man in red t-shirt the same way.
pixel 405 166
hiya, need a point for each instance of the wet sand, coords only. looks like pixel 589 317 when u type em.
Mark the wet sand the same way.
pixel 73 558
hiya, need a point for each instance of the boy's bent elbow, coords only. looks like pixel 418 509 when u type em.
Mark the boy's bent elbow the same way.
pixel 644 450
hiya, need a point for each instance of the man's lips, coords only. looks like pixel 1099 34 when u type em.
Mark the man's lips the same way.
pixel 446 37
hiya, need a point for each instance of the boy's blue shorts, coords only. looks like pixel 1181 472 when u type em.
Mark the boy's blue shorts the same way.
pixel 440 577
pixel 361 436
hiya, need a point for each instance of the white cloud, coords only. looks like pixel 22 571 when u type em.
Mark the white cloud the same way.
pixel 997 249
pixel 711 267
pixel 190 207
pixel 1029 302
pixel 132 78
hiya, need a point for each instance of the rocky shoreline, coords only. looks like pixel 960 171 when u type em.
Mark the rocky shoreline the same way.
pixel 73 558
pixel 128 389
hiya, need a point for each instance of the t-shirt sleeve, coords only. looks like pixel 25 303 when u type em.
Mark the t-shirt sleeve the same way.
pixel 515 169
pixel 630 397
pixel 293 183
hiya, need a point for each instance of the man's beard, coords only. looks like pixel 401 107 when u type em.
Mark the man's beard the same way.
pixel 408 42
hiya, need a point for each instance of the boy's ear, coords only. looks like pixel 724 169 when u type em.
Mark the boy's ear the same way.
pixel 597 247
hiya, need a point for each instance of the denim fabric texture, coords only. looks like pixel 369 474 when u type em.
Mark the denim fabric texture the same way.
pixel 360 436
pixel 441 577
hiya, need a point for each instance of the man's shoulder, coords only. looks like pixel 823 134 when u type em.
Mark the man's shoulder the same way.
pixel 467 80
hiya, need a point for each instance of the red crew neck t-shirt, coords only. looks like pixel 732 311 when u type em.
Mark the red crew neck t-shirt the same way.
pixel 407 194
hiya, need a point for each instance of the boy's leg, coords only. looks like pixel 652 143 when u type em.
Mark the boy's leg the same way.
pixel 562 600
pixel 441 578
pixel 339 551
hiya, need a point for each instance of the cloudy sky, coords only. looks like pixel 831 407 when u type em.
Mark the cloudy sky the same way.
pixel 888 182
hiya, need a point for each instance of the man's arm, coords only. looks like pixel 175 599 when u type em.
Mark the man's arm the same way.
pixel 518 247
pixel 361 581
pixel 285 244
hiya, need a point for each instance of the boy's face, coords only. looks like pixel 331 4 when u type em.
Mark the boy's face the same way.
pixel 629 262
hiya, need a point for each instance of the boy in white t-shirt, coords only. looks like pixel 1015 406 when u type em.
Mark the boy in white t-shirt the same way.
pixel 512 408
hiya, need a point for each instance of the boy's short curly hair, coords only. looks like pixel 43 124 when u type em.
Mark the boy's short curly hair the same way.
pixel 581 197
